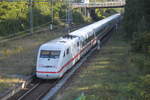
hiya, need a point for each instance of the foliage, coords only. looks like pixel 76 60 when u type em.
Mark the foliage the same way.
pixel 15 16
pixel 136 18
pixel 136 25
pixel 102 13
pixel 145 90
pixel 77 17
pixel 141 42
pixel 81 97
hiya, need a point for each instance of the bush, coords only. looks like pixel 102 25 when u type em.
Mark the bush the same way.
pixel 77 17
pixel 141 43
pixel 145 90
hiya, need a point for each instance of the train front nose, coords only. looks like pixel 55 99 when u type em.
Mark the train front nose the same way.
pixel 48 69
pixel 48 75
pixel 47 64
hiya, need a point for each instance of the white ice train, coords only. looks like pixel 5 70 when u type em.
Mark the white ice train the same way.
pixel 57 56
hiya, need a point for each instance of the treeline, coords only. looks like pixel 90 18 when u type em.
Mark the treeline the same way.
pixel 137 23
pixel 15 16
pixel 137 29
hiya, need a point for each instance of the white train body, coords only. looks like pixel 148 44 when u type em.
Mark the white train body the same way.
pixel 57 56
pixel 85 1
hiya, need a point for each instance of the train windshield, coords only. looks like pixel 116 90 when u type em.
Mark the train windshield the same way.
pixel 49 54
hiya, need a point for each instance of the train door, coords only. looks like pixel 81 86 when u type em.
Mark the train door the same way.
pixel 78 45
pixel 67 55
pixel 74 52
pixel 79 48
pixel 94 37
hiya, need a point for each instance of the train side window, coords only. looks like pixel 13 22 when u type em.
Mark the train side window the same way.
pixel 67 51
pixel 78 44
pixel 83 43
pixel 64 54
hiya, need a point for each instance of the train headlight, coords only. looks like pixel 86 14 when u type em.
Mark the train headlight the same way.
pixel 52 66
pixel 49 66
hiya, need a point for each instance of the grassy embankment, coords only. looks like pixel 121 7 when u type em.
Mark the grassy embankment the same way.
pixel 108 74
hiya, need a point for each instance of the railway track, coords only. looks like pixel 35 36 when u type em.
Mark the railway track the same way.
pixel 35 90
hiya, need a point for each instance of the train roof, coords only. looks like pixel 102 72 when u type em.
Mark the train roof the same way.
pixel 82 33
pixel 85 31
pixel 59 43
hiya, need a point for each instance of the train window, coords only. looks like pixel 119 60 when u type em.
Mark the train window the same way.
pixel 64 54
pixel 99 31
pixel 49 54
pixel 83 43
pixel 68 51
pixel 86 41
pixel 77 44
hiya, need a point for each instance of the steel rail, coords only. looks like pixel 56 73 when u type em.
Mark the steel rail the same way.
pixel 35 86
pixel 35 92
